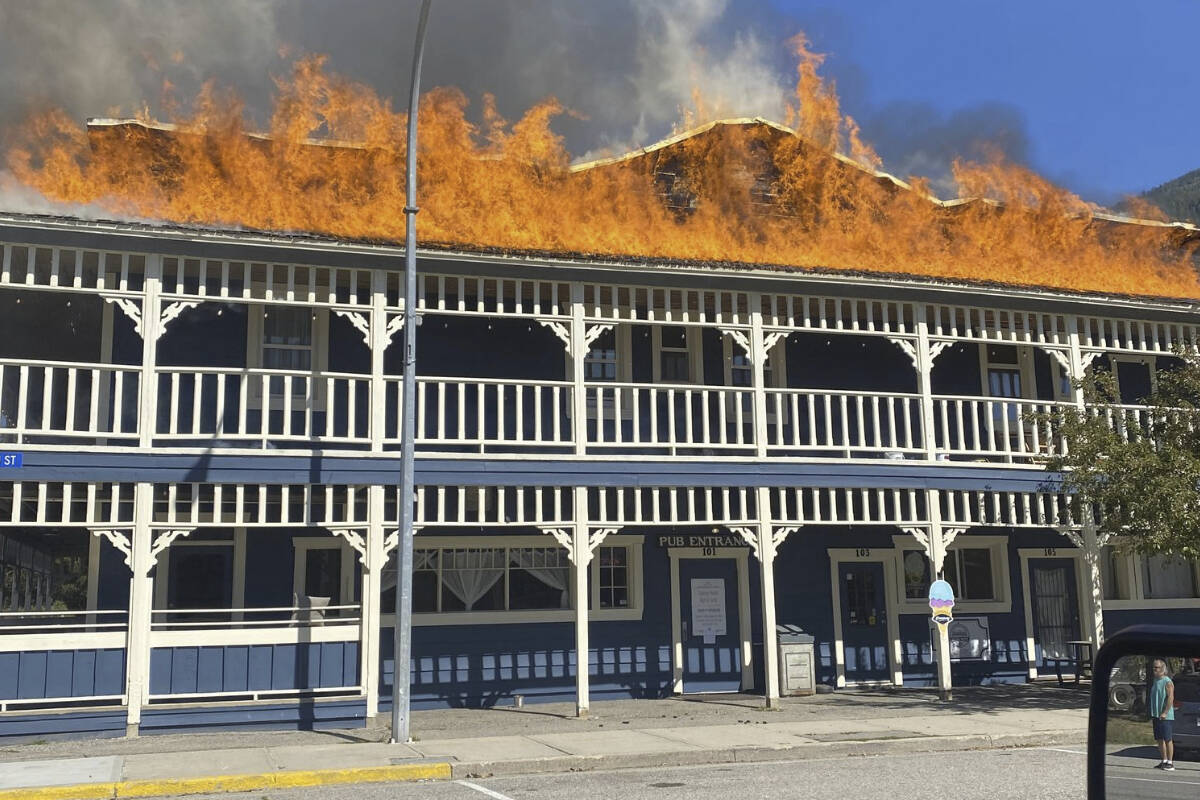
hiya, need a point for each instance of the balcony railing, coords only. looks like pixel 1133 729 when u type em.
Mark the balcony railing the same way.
pixel 55 403
pixel 845 424
pixel 45 402
pixel 670 419
pixel 995 428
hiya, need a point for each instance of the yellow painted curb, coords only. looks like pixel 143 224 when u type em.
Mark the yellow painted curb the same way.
pixel 232 783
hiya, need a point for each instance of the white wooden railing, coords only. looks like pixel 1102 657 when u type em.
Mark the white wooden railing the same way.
pixel 821 421
pixel 991 428
pixel 49 403
pixel 262 407
pixel 671 418
pixel 51 400
pixel 477 414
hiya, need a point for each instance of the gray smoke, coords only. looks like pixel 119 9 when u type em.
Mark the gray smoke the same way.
pixel 915 139
pixel 627 68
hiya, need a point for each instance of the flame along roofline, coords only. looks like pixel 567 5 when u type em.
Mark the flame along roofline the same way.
pixel 845 159
pixel 144 235
pixel 170 127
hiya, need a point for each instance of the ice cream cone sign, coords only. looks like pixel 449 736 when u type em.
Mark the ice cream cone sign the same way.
pixel 941 602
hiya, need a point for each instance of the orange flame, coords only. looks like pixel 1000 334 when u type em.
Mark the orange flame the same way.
pixel 752 193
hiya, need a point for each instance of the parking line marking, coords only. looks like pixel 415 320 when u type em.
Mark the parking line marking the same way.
pixel 484 789
pixel 1155 780
pixel 1064 750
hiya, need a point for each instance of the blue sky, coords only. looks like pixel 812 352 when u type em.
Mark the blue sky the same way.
pixel 1109 92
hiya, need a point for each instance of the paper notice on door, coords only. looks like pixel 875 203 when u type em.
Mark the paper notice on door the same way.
pixel 708 608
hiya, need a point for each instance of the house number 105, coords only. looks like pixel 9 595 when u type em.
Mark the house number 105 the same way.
pixel 863 551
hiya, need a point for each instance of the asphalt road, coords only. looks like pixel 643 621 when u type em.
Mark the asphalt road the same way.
pixel 1129 773
pixel 1050 773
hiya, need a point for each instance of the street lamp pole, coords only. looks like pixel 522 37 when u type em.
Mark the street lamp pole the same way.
pixel 402 638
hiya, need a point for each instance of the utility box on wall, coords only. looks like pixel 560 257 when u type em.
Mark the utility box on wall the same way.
pixel 797 656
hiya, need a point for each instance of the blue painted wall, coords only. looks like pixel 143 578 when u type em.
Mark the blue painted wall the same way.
pixel 62 673
pixel 187 670
pixel 303 714
pixel 480 665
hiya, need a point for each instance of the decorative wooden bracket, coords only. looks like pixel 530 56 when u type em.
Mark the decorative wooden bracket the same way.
pixel 597 536
pixel 392 540
pixel 910 349
pixel 779 534
pixel 359 321
pixel 750 535
pixel 132 309
pixel 394 326
pixel 120 540
pixel 593 332
pixel 742 340
pixel 355 539
pixel 1077 369
pixel 164 539
pixel 563 537
pixel 171 312
pixel 560 330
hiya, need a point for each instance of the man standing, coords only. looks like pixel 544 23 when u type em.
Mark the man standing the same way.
pixel 1162 713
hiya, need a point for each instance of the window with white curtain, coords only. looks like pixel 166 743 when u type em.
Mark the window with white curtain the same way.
pixel 450 579
pixel 1168 577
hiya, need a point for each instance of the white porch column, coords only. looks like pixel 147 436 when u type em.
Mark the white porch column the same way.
pixel 923 360
pixel 372 585
pixel 141 582
pixel 758 358
pixel 141 599
pixel 935 541
pixel 581 557
pixel 577 347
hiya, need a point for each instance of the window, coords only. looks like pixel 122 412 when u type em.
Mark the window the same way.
pixel 1007 371
pixel 489 579
pixel 969 570
pixel 324 568
pixel 525 575
pixel 291 339
pixel 1168 577
pixel 600 364
pixel 1135 377
pixel 674 362
pixel 614 577
pixel 916 575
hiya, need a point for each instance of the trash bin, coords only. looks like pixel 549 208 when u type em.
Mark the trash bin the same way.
pixel 797 676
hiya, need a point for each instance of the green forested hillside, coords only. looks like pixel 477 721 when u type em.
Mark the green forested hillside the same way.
pixel 1179 199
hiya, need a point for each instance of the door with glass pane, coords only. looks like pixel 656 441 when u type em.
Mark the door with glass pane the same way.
pixel 864 622
pixel 323 576
pixel 1055 606
pixel 709 625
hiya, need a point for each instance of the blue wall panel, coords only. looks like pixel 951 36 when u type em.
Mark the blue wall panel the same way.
pixel 61 673
pixel 238 668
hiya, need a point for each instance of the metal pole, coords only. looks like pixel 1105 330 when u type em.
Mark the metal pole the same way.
pixel 402 638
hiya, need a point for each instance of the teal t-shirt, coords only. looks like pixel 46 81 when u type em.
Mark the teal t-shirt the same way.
pixel 1158 699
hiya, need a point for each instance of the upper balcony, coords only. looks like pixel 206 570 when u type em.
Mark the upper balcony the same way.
pixel 120 350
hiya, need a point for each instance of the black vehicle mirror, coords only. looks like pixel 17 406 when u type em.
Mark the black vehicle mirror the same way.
pixel 1144 722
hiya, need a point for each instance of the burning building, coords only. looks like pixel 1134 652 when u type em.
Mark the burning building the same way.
pixel 203 425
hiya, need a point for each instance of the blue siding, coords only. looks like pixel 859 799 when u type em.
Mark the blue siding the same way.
pixel 246 668
pixel 61 673
pixel 480 665
pixel 302 714
pixel 18 726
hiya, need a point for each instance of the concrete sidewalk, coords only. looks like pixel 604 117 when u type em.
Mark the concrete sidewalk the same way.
pixel 547 739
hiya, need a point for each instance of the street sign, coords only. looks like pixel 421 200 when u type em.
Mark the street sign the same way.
pixel 11 460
